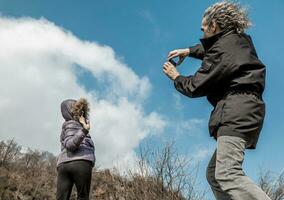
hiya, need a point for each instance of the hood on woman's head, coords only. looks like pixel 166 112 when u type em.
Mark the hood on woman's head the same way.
pixel 66 109
pixel 72 109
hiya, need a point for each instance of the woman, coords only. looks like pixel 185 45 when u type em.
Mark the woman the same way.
pixel 77 158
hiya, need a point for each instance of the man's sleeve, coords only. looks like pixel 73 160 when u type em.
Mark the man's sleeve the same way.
pixel 207 76
pixel 196 51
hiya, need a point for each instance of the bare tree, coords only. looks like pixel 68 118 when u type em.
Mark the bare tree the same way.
pixel 26 175
pixel 9 152
pixel 172 172
pixel 272 184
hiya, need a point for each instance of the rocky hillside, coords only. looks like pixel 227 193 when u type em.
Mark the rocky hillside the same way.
pixel 32 176
pixel 163 175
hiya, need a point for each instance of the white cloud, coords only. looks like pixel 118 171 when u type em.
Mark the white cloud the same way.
pixel 193 126
pixel 37 73
pixel 202 153
pixel 177 102
pixel 125 125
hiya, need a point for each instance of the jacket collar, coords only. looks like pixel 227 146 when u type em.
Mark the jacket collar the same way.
pixel 207 43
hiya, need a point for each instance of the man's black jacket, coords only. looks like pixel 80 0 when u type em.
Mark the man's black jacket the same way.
pixel 233 78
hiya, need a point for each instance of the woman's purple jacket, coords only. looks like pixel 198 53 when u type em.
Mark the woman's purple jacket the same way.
pixel 76 143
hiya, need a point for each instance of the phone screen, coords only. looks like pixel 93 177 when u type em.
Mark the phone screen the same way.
pixel 173 61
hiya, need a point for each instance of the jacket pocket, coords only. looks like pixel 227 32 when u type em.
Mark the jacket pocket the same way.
pixel 205 66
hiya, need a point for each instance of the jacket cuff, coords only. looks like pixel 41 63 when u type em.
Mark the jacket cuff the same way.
pixel 177 80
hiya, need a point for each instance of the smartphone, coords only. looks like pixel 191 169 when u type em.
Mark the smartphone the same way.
pixel 174 63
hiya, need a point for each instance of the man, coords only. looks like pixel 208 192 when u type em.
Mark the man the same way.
pixel 233 78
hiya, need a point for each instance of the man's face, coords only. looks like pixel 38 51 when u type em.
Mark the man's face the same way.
pixel 208 31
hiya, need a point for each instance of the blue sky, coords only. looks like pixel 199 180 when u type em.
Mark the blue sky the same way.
pixel 141 33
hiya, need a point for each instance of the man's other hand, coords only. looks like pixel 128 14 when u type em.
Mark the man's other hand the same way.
pixel 170 70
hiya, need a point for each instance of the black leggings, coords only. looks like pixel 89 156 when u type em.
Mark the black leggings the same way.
pixel 78 172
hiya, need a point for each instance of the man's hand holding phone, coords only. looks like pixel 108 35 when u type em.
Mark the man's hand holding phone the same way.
pixel 181 53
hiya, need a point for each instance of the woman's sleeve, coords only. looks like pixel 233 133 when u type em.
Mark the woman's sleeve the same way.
pixel 73 138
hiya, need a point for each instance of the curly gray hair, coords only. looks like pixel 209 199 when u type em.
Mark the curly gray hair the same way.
pixel 228 15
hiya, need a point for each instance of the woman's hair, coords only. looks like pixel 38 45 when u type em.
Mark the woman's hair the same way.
pixel 228 15
pixel 80 107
